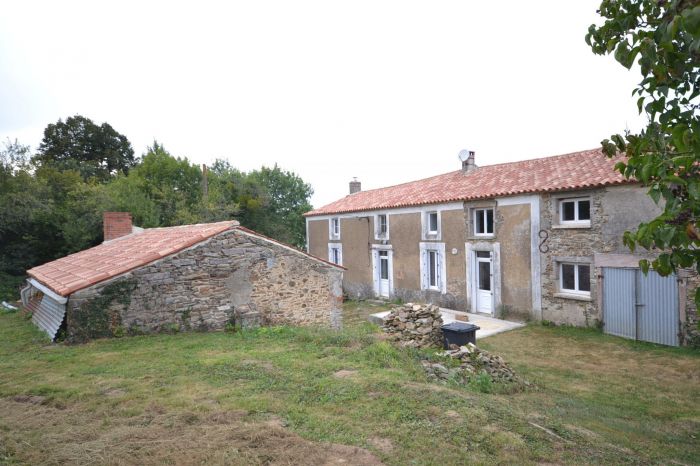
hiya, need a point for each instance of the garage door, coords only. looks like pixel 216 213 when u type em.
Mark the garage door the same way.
pixel 640 307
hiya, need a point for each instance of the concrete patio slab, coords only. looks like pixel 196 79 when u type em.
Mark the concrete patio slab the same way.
pixel 487 325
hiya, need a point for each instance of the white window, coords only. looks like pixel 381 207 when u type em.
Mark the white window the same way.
pixel 575 278
pixel 335 253
pixel 575 211
pixel 431 225
pixel 432 266
pixel 483 222
pixel 381 226
pixel 334 228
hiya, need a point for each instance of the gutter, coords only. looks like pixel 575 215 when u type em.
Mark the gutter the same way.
pixel 47 291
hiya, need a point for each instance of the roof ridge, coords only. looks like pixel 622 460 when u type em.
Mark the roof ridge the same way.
pixel 540 174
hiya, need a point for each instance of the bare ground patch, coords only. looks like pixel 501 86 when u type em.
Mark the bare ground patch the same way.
pixel 73 436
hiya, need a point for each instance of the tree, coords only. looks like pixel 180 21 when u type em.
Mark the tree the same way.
pixel 664 39
pixel 171 183
pixel 287 198
pixel 79 144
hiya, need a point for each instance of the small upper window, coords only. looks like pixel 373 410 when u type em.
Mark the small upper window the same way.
pixel 381 226
pixel 433 223
pixel 575 278
pixel 335 228
pixel 483 222
pixel 575 211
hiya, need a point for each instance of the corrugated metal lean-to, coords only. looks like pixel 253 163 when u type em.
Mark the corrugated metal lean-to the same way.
pixel 641 307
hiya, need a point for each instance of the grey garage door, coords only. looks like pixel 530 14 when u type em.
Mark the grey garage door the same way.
pixel 641 307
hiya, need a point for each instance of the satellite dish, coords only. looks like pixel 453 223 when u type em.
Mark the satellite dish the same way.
pixel 464 155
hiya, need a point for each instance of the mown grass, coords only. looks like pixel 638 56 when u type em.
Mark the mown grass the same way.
pixel 156 399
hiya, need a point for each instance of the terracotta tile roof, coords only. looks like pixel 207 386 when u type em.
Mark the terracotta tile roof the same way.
pixel 85 268
pixel 578 170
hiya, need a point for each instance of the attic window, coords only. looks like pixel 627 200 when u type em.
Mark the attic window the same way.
pixel 334 228
pixel 381 226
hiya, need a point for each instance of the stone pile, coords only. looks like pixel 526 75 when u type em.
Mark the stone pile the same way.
pixel 472 362
pixel 415 325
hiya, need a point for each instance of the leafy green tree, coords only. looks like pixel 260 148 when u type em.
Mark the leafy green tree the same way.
pixel 171 183
pixel 78 144
pixel 663 37
pixel 287 198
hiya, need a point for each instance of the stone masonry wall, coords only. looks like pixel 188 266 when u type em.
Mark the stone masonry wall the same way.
pixel 234 277
pixel 570 244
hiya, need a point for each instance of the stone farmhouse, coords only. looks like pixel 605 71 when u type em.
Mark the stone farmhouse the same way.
pixel 190 277
pixel 540 237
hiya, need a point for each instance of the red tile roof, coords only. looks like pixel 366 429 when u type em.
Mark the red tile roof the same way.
pixel 112 258
pixel 578 170
pixel 85 268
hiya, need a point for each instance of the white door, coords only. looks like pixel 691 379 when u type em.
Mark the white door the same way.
pixel 484 283
pixel 384 274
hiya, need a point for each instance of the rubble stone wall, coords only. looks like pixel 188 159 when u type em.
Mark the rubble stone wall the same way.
pixel 415 325
pixel 233 278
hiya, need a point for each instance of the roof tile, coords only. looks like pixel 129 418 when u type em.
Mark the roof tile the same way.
pixel 85 268
pixel 577 170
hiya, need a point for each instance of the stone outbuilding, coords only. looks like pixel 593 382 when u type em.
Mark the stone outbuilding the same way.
pixel 193 277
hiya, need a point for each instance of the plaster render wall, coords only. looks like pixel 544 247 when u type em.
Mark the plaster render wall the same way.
pixel 405 233
pixel 318 238
pixel 233 277
pixel 513 234
pixel 355 234
pixel 623 208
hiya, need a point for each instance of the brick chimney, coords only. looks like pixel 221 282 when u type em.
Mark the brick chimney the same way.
pixel 355 186
pixel 116 224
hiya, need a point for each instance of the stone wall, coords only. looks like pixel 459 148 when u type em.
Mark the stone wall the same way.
pixel 690 332
pixel 234 278
pixel 570 245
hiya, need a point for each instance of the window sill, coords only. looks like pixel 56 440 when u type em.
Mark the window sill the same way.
pixel 574 296
pixel 570 226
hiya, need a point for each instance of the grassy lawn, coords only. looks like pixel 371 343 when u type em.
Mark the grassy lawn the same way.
pixel 305 396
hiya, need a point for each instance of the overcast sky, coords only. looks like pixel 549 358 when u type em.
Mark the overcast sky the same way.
pixel 386 91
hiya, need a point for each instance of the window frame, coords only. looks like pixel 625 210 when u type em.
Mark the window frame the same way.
pixel 427 233
pixel 334 228
pixel 577 285
pixel 438 268
pixel 378 235
pixel 475 215
pixel 338 247
pixel 576 221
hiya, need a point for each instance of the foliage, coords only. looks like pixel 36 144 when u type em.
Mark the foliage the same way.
pixel 79 144
pixel 51 204
pixel 664 39
pixel 287 200
pixel 171 184
pixel 96 317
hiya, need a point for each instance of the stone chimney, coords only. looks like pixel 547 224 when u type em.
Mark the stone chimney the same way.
pixel 467 158
pixel 355 186
pixel 116 224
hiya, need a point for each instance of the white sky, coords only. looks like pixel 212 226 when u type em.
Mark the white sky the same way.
pixel 387 91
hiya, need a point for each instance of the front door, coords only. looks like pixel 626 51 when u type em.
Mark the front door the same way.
pixel 384 273
pixel 484 284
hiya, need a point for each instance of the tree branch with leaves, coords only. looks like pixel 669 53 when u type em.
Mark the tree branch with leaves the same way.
pixel 663 39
